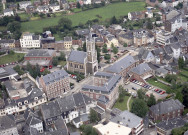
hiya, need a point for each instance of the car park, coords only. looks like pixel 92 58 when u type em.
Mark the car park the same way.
pixel 134 88
pixel 163 92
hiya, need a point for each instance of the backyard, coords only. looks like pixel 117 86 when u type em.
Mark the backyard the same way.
pixel 123 105
pixel 116 9
pixel 11 58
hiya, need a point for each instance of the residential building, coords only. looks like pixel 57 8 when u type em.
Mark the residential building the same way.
pixel 83 32
pixel 165 127
pixel 7 44
pixel 45 2
pixel 68 43
pixel 8 12
pixel 42 57
pixel 43 9
pixel 7 73
pixel 30 9
pixel 162 36
pixel 122 66
pixel 55 84
pixel 8 125
pixel 54 7
pixel 141 72
pixel 37 3
pixel 24 4
pixel 80 120
pixel 84 62
pixel 136 15
pixel 30 40
pixel 130 120
pixel 105 85
pixel 112 128
pixel 142 37
pixel 99 41
pixel 126 38
pixel 111 40
pixel 166 110
pixel 56 45
pixel 145 55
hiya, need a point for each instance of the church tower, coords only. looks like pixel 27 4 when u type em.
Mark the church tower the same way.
pixel 92 64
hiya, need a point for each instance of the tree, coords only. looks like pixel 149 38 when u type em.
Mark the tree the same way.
pixel 149 24
pixel 104 49
pixel 55 61
pixel 79 49
pixel 169 78
pixel 11 52
pixel 185 94
pixel 107 56
pixel 173 84
pixel 139 107
pixel 125 45
pixel 113 20
pixel 141 94
pixel 78 5
pixel 179 96
pixel 65 23
pixel 93 116
pixel 151 100
pixel 84 47
pixel 181 63
pixel 115 50
pixel 98 53
pixel 18 69
pixel 89 130
pixel 62 56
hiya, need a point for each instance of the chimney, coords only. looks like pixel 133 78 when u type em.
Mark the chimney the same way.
pixel 161 57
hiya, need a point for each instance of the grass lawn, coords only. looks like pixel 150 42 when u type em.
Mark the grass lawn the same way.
pixel 24 16
pixel 116 9
pixel 160 85
pixel 11 58
pixel 62 63
pixel 183 75
pixel 57 38
pixel 121 105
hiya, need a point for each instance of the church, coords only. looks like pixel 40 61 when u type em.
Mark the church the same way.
pixel 84 62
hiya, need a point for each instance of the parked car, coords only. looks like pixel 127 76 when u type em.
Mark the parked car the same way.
pixel 134 88
pixel 163 92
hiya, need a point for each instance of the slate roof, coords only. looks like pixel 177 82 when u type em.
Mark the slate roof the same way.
pixel 186 133
pixel 141 69
pixel 166 106
pixel 171 124
pixel 31 118
pixel 118 66
pixel 81 118
pixel 128 35
pixel 75 133
pixel 6 71
pixel 67 38
pixel 54 76
pixel 127 119
pixel 77 56
pixel 7 122
pixel 40 53
pixel 83 32
pixel 4 41
pixel 143 53
pixel 103 99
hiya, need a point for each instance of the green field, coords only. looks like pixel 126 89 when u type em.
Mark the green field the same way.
pixel 11 58
pixel 183 75
pixel 123 105
pixel 117 9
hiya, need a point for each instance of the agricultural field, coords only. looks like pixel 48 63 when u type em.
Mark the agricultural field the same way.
pixel 103 13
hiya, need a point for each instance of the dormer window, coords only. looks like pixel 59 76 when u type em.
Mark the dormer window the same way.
pixel 36 98
pixel 25 102
pixel 19 104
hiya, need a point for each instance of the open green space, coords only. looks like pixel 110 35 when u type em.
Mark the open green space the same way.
pixel 160 85
pixel 24 16
pixel 116 9
pixel 123 105
pixel 11 58
pixel 62 63
pixel 183 75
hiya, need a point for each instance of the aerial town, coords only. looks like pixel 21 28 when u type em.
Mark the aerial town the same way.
pixel 94 67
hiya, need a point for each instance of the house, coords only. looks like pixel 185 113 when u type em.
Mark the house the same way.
pixel 13 6
pixel 87 2
pixel 64 4
pixel 7 73
pixel 54 7
pixel 130 120
pixel 112 128
pixel 142 37
pixel 165 127
pixel 126 38
pixel 42 57
pixel 99 41
pixel 45 2
pixel 141 72
pixel 137 15
pixel 161 72
pixel 8 125
pixel 176 50
pixel 149 12
pixel 24 4
pixel 111 40
pixel 7 44
pixel 53 45
pixel 37 3
pixel 162 36
pixel 55 84
pixel 146 55
pixel 166 110
pixel 30 9
pixel 30 40
pixel 8 12
pixel 122 66
pixel 83 32
pixel 84 62
pixel 68 43
pixel 43 9
pixel 104 84
pixel 80 120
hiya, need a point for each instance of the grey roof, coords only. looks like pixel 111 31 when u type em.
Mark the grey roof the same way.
pixel 128 35
pixel 67 38
pixel 99 39
pixel 143 53
pixel 186 133
pixel 75 133
pixel 166 106
pixel 83 32
pixel 172 14
pixel 81 118
pixel 162 70
pixel 54 76
pixel 66 103
pixel 103 74
pixel 171 124
pixel 4 41
pixel 7 10
pixel 103 99
pixel 175 46
pixel 77 56
pixel 40 53
pixel 128 119
pixel 141 69
pixel 118 66
pixel 6 71
pixel 25 2
pixel 7 122
pixel 168 49
pixel 50 110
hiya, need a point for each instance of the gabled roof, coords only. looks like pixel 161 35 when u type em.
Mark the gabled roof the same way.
pixel 118 66
pixel 77 56
pixel 7 122
pixel 40 53
pixel 141 69
pixel 166 106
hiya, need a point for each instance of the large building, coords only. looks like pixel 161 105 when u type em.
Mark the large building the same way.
pixel 7 73
pixel 42 57
pixel 166 110
pixel 84 62
pixel 55 84
pixel 30 40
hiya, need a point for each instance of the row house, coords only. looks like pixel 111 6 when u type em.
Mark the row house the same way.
pixel 137 15
pixel 130 120
pixel 7 44
pixel 55 84
pixel 166 110
pixel 24 4
pixel 8 12
pixel 56 45
pixel 54 7
pixel 111 40
pixel 105 85
pixel 43 9
pixel 68 43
